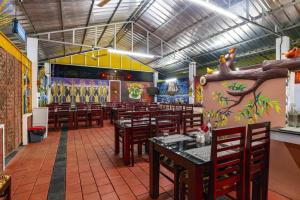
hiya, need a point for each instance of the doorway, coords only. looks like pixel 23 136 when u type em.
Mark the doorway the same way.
pixel 115 91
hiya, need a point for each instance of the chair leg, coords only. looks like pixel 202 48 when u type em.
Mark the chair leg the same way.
pixel 256 187
pixel 140 146
pixel 176 185
pixel 181 190
pixel 132 154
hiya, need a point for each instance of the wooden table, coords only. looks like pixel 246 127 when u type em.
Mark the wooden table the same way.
pixel 193 165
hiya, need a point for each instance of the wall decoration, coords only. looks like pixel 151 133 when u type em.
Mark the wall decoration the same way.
pixel 42 86
pixel 26 89
pixel 198 91
pixel 73 90
pixel 175 91
pixel 10 99
pixel 135 91
pixel 233 97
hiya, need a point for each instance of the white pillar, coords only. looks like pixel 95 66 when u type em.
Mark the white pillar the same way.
pixel 192 74
pixel 48 74
pixel 155 80
pixel 32 54
pixel 282 45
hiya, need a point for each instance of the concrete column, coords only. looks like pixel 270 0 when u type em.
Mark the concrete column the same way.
pixel 192 74
pixel 155 80
pixel 32 54
pixel 48 74
pixel 283 45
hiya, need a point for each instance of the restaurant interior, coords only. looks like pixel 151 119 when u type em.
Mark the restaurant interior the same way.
pixel 149 99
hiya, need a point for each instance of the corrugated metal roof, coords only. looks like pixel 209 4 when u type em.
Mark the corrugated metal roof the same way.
pixel 196 32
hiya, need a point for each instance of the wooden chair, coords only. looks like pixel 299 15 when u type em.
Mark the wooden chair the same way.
pixel 52 116
pixel 228 157
pixel 192 122
pixel 96 115
pixel 257 161
pixel 169 124
pixel 82 116
pixel 63 117
pixel 189 109
pixel 226 172
pixel 140 130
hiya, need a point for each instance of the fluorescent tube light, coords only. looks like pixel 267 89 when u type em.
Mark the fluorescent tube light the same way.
pixel 215 8
pixel 129 53
pixel 171 80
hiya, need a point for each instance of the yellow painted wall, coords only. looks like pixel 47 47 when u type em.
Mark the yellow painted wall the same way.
pixel 103 59
pixel 8 46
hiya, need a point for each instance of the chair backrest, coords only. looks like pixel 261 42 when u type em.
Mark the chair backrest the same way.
pixel 189 109
pixel 227 156
pixel 123 114
pixel 192 122
pixel 257 148
pixel 140 125
pixel 167 124
pixel 82 113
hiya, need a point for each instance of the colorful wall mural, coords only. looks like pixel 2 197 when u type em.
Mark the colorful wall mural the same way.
pixel 266 104
pixel 239 97
pixel 26 89
pixel 73 90
pixel 135 91
pixel 43 85
pixel 198 91
pixel 175 91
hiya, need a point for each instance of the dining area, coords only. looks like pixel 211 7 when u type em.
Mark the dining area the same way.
pixel 205 162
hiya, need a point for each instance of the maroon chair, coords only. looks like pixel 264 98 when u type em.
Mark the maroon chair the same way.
pixel 169 124
pixel 82 116
pixel 226 172
pixel 63 117
pixel 52 120
pixel 257 161
pixel 228 158
pixel 140 130
pixel 192 122
pixel 96 115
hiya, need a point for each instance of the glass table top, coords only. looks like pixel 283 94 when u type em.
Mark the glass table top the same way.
pixel 186 146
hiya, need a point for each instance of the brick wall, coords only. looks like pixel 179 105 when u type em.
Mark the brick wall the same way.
pixel 10 100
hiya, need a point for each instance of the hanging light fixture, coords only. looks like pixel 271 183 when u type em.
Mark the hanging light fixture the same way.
pixel 215 8
pixel 129 53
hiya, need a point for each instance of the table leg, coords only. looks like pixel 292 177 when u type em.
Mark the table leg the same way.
pixel 154 171
pixel 195 183
pixel 117 142
pixel 126 144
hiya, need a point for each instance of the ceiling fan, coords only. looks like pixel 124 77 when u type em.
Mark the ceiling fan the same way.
pixel 93 56
pixel 103 3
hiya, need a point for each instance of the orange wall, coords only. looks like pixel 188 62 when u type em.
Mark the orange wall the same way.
pixel 284 177
pixel 273 89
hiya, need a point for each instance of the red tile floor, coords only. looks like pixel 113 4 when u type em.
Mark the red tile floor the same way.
pixel 93 171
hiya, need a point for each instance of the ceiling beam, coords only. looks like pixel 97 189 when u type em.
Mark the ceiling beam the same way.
pixel 87 23
pixel 109 20
pixel 62 22
pixel 130 18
